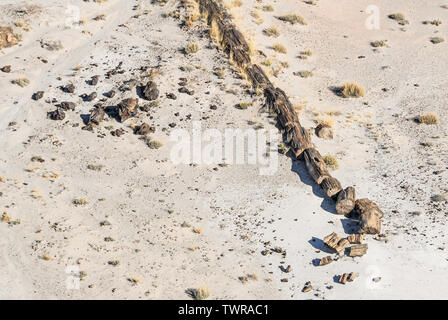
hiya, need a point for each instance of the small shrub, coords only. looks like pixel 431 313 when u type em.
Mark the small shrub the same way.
pixel 331 162
pixel 435 22
pixel 429 118
pixel 352 89
pixel 293 19
pixel 399 17
pixel 278 47
pixel 199 293
pixel 191 48
pixel 271 32
pixel 305 73
pixel 268 8
pixel 80 202
pixel 379 43
pixel 21 82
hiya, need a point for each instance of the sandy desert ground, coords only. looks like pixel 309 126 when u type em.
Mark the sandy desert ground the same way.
pixel 115 212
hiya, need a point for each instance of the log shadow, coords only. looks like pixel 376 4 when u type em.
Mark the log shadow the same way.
pixel 85 118
pixel 350 226
pixel 319 245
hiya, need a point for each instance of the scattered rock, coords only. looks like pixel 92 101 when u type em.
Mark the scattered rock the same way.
pixel 307 287
pixel 110 94
pixel 150 91
pixel 66 106
pixel 6 69
pixel 94 80
pixel 38 95
pixel 171 96
pixel 357 250
pixel 70 88
pixel 127 108
pixel 324 131
pixel 57 114
pixel 185 90
pixel 96 115
pixel 144 129
pixel 89 97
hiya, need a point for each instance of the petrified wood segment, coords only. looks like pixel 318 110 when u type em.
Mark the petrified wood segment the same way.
pixel 357 250
pixel 355 238
pixel 315 165
pixel 345 201
pixel 331 186
pixel 336 243
pixel 364 205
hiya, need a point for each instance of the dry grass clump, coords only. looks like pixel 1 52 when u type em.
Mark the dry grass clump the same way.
pixel 271 32
pixel 352 89
pixel 199 293
pixel 399 17
pixel 268 8
pixel 305 73
pixel 155 144
pixel 327 121
pixel 436 40
pixel 428 118
pixel 248 277
pixel 95 167
pixel 305 54
pixel 244 105
pixel 331 162
pixel 378 43
pixel 293 19
pixel 191 48
pixel 21 82
pixel 278 47
pixel 234 4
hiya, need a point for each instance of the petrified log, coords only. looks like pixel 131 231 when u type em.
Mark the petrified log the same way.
pixel 325 260
pixel 355 238
pixel 298 138
pixel 7 37
pixel 331 186
pixel 357 250
pixel 345 201
pixel 365 205
pixel 324 131
pixel 370 223
pixel 127 108
pixel 315 165
pixel 257 77
pixel 336 243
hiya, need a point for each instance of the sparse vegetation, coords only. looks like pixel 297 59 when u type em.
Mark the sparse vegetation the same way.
pixel 191 48
pixel 271 32
pixel 21 82
pixel 278 47
pixel 293 19
pixel 155 144
pixel 399 17
pixel 435 22
pixel 352 89
pixel 379 43
pixel 305 73
pixel 331 162
pixel 268 8
pixel 199 293
pixel 428 118
pixel 80 202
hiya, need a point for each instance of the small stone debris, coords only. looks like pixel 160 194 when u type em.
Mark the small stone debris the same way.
pixel 89 97
pixel 324 131
pixel 144 129
pixel 70 88
pixel 357 250
pixel 376 279
pixel 94 80
pixel 355 238
pixel 336 243
pixel 150 91
pixel 117 132
pixel 96 115
pixel 185 90
pixel 171 96
pixel 67 106
pixel 57 114
pixel 325 260
pixel 284 280
pixel 127 108
pixel 346 277
pixel 38 95
pixel 288 269
pixel 308 287
pixel 6 69
pixel 110 94
pixel 37 159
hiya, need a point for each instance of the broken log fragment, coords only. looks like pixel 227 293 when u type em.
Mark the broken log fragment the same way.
pixel 357 250
pixel 299 139
pixel 345 201
pixel 325 260
pixel 324 131
pixel 257 77
pixel 355 238
pixel 370 223
pixel 364 205
pixel 150 91
pixel 331 186
pixel 96 115
pixel 346 277
pixel 336 243
pixel 315 165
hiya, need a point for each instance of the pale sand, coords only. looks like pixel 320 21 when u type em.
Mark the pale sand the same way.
pixel 377 146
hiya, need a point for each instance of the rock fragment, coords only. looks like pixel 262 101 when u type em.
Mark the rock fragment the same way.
pixel 57 114
pixel 357 250
pixel 150 91
pixel 38 95
pixel 325 260
pixel 7 37
pixel 6 69
pixel 127 108
pixel 324 131
pixel 346 277
pixel 336 243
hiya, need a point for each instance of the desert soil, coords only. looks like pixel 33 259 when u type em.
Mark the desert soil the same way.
pixel 151 229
